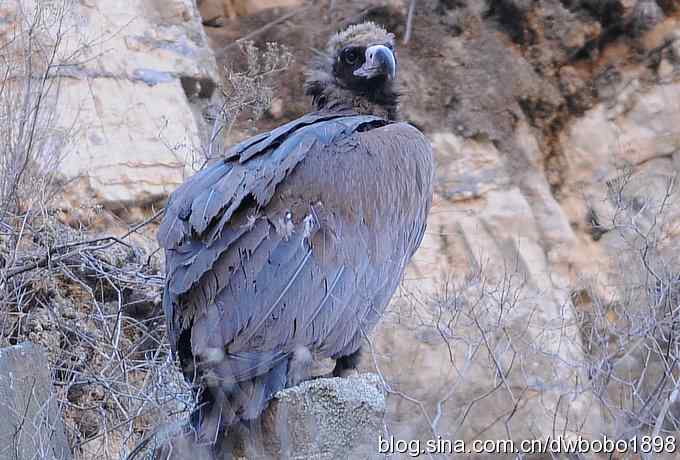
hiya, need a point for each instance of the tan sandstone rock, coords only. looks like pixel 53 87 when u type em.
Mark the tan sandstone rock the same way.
pixel 133 79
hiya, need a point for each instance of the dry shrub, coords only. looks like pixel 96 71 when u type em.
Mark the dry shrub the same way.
pixel 93 302
pixel 494 344
pixel 248 90
pixel 632 334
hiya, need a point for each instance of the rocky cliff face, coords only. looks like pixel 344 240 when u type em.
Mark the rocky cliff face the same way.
pixel 553 241
pixel 133 80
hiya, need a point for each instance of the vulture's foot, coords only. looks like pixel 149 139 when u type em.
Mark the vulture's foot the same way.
pixel 214 22
pixel 347 365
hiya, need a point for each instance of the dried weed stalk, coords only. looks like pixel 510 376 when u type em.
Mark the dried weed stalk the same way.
pixel 251 90
pixel 247 92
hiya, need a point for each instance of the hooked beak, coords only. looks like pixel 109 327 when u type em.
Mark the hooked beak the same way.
pixel 380 61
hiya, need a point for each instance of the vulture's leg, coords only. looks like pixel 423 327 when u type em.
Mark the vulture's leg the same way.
pixel 186 357
pixel 251 438
pixel 346 364
pixel 299 366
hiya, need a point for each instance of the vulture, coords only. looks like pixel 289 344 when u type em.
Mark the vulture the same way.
pixel 289 247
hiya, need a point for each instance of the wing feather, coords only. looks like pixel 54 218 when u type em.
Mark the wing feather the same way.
pixel 175 227
pixel 210 201
pixel 200 258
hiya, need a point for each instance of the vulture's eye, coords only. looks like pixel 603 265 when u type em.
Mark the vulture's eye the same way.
pixel 350 55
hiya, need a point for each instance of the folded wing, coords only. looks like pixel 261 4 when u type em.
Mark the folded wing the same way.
pixel 298 237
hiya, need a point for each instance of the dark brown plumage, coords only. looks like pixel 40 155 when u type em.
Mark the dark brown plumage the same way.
pixel 292 245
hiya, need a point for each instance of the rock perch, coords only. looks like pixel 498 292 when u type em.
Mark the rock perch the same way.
pixel 30 425
pixel 322 419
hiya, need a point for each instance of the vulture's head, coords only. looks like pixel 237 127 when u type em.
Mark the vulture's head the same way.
pixel 358 70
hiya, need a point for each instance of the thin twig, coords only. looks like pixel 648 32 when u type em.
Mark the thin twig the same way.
pixel 52 252
pixel 409 22
pixel 265 27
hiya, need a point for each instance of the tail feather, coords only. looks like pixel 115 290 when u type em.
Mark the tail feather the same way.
pixel 221 407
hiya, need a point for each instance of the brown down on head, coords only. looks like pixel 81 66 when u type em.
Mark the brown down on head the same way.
pixel 357 71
